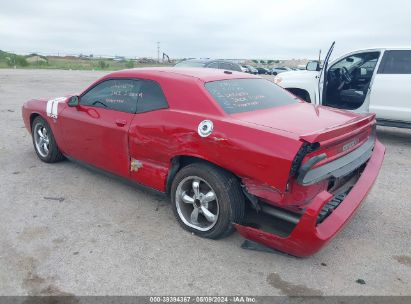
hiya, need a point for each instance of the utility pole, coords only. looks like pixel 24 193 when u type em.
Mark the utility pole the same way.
pixel 158 51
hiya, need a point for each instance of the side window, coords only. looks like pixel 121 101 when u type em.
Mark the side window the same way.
pixel 115 94
pixel 225 66
pixel 229 66
pixel 151 97
pixel 235 67
pixel 213 65
pixel 396 62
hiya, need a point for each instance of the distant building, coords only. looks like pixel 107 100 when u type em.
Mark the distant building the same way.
pixel 119 58
pixel 34 58
pixel 81 56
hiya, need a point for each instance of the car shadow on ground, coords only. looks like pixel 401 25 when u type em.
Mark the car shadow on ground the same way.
pixel 390 135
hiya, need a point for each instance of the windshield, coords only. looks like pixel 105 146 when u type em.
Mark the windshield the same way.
pixel 348 62
pixel 356 60
pixel 191 64
pixel 244 95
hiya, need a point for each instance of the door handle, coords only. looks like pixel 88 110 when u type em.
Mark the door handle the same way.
pixel 121 122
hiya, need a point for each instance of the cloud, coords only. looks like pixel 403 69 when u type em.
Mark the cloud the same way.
pixel 223 29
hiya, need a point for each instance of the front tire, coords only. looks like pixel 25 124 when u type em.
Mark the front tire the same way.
pixel 44 143
pixel 207 200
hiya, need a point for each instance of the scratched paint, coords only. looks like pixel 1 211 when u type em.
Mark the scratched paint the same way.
pixel 135 165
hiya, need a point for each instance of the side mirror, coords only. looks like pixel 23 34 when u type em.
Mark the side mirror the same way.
pixel 73 101
pixel 363 71
pixel 312 66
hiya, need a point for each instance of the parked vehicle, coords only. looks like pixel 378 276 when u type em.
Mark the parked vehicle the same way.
pixel 250 69
pixel 278 70
pixel 231 150
pixel 210 63
pixel 263 71
pixel 373 80
pixel 245 69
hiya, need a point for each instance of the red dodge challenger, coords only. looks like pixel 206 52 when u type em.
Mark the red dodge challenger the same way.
pixel 232 150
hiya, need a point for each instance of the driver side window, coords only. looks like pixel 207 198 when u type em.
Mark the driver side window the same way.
pixel 114 94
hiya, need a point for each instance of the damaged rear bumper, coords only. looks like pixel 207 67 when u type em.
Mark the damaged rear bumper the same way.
pixel 308 237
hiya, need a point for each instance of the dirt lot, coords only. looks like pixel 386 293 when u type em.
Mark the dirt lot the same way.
pixel 104 237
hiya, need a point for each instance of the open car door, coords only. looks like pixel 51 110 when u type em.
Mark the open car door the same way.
pixel 322 79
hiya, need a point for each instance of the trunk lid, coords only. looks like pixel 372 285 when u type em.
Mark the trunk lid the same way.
pixel 334 132
pixel 310 123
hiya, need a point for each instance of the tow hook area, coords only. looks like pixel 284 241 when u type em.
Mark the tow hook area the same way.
pixel 268 218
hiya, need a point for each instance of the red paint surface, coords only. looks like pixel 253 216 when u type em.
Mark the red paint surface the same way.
pixel 258 146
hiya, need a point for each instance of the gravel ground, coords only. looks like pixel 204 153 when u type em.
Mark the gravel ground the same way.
pixel 104 237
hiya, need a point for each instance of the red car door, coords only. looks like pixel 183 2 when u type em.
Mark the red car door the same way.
pixel 96 131
pixel 148 141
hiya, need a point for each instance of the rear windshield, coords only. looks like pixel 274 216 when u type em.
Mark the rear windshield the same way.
pixel 244 95
pixel 191 64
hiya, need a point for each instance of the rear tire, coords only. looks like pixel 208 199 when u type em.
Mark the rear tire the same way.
pixel 43 141
pixel 207 200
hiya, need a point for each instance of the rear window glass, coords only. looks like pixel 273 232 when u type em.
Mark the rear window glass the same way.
pixel 244 95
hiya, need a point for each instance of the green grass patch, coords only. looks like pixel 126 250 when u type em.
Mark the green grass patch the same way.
pixel 34 61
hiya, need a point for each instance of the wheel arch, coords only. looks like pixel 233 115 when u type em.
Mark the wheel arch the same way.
pixel 32 118
pixel 180 161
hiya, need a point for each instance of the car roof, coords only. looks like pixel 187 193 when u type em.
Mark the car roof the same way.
pixel 206 60
pixel 374 49
pixel 386 48
pixel 204 75
pixel 370 49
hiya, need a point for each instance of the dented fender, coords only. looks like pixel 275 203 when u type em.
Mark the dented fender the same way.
pixel 234 147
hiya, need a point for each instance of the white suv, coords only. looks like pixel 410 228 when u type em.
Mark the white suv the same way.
pixel 371 80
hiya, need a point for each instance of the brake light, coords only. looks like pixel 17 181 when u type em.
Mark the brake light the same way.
pixel 305 149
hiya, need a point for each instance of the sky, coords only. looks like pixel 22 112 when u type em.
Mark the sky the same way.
pixel 259 29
